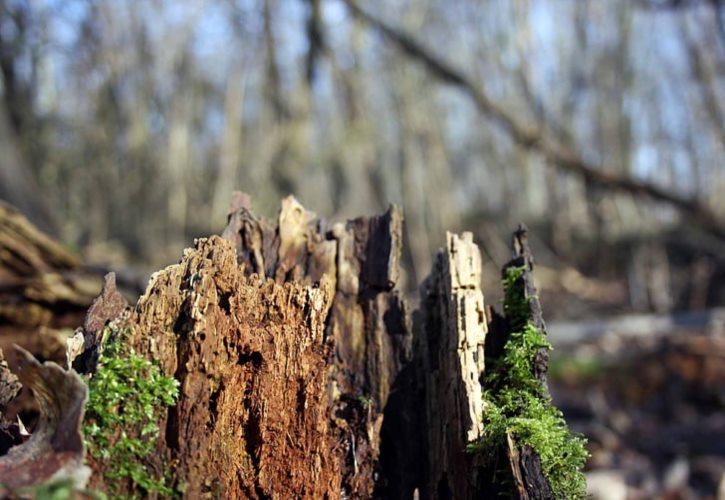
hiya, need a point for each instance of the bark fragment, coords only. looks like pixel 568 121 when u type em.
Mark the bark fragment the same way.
pixel 84 348
pixel 55 449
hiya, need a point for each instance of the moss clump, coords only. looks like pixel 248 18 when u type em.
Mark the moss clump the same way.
pixel 515 303
pixel 516 403
pixel 125 397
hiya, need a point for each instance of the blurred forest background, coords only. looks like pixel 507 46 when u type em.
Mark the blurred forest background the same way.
pixel 125 125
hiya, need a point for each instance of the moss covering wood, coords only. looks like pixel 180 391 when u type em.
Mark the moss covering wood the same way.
pixel 516 403
pixel 126 397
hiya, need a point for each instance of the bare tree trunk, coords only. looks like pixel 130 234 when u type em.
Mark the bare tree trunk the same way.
pixel 17 183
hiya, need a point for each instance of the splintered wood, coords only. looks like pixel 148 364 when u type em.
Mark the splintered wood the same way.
pixel 366 321
pixel 286 340
pixel 250 353
pixel 464 270
pixel 450 347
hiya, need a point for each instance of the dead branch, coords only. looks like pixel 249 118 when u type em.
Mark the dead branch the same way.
pixel 533 138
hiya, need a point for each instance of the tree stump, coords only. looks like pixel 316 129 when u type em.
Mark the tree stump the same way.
pixel 301 373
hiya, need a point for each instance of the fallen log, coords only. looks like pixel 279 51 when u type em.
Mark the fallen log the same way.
pixel 565 333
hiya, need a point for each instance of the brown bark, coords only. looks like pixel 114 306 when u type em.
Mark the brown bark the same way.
pixel 366 323
pixel 252 418
pixel 286 341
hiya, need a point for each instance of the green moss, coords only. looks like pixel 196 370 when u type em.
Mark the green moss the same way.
pixel 126 396
pixel 366 401
pixel 59 489
pixel 515 402
pixel 62 489
pixel 515 303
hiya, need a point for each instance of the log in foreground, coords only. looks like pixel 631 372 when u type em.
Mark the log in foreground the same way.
pixel 43 289
pixel 280 361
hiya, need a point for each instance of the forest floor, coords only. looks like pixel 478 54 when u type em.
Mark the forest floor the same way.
pixel 651 407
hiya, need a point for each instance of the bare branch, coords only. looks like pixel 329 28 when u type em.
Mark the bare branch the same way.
pixel 533 138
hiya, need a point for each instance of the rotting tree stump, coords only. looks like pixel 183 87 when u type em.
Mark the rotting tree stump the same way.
pixel 302 373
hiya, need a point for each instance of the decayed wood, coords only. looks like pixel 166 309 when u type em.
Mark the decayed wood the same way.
pixel 525 465
pixel 522 258
pixel 286 340
pixel 9 383
pixel 37 275
pixel 451 332
pixel 298 374
pixel 367 322
pixel 454 335
pixel 253 416
pixel 84 348
pixel 55 450
pixel 42 289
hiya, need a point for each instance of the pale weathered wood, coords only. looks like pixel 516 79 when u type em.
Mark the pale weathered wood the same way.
pixel 451 334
